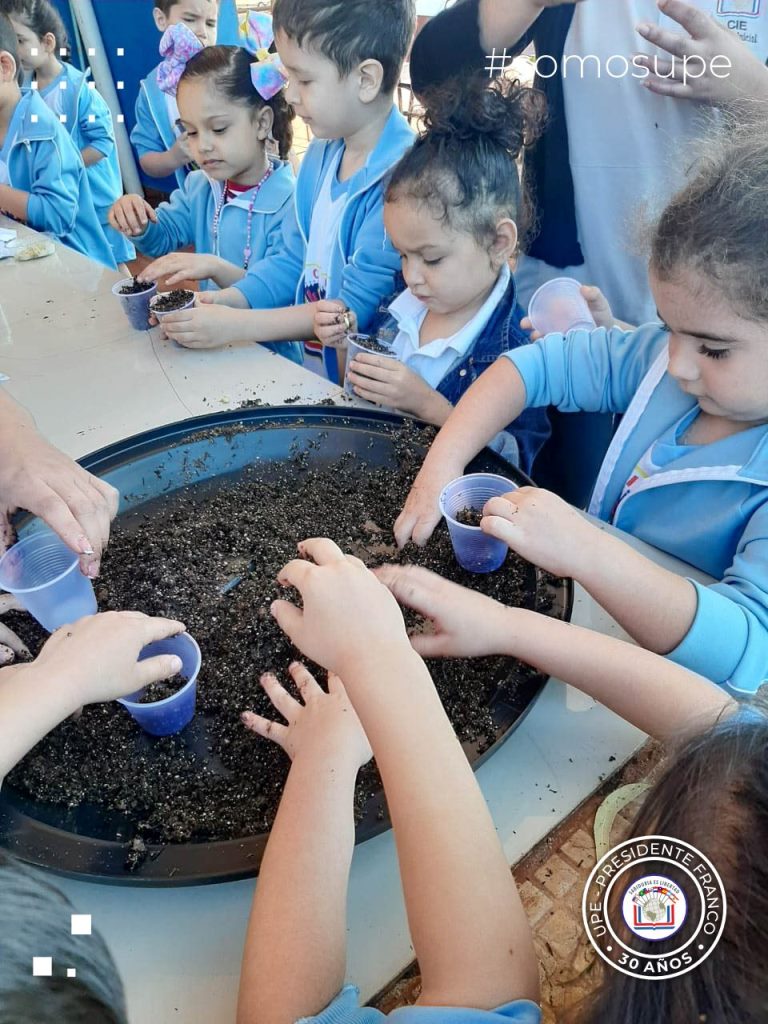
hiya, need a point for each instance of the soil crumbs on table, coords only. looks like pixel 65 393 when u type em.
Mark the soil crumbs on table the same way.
pixel 216 779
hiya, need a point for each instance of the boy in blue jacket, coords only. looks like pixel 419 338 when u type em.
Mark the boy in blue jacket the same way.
pixel 42 178
pixel 160 144
pixel 343 59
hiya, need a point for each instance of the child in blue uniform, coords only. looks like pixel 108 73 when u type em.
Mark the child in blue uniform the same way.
pixel 42 178
pixel 41 37
pixel 455 212
pixel 160 144
pixel 688 468
pixel 232 209
pixel 334 244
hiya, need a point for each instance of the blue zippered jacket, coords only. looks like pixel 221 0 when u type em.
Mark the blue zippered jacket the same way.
pixel 187 219
pixel 364 264
pixel 45 162
pixel 523 438
pixel 709 507
pixel 153 131
pixel 79 103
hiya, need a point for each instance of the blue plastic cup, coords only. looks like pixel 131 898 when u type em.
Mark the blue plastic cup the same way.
pixel 164 717
pixel 475 551
pixel 43 573
pixel 357 344
pixel 135 306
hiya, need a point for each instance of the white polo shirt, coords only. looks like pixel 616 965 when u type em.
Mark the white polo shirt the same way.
pixel 437 358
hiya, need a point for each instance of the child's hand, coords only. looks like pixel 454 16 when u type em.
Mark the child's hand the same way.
pixel 325 724
pixel 180 150
pixel 204 325
pixel 333 322
pixel 348 619
pixel 390 382
pixel 466 624
pixel 543 529
pixel 181 266
pixel 131 214
pixel 98 656
pixel 11 645
pixel 421 512
pixel 599 307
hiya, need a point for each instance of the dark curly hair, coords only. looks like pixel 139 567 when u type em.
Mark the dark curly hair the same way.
pixel 230 68
pixel 464 165
pixel 717 225
pixel 41 17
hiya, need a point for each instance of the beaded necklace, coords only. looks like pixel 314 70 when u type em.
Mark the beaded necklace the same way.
pixel 217 216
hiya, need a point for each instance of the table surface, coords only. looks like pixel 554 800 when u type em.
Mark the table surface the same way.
pixel 89 380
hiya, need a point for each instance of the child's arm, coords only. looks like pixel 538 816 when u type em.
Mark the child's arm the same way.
pixel 295 950
pixel 209 325
pixel 91 156
pixel 655 695
pixel 14 201
pixel 469 929
pixel 95 659
pixel 155 159
pixel 98 133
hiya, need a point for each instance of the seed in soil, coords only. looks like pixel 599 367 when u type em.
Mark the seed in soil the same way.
pixel 469 516
pixel 161 690
pixel 137 287
pixel 172 300
pixel 172 557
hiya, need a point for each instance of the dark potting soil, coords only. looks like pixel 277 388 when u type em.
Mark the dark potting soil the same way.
pixel 165 688
pixel 372 345
pixel 175 561
pixel 137 288
pixel 469 516
pixel 172 300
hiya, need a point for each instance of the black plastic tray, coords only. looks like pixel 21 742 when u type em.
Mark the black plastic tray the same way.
pixel 90 843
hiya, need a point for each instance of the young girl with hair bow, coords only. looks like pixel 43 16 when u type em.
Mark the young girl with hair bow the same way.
pixel 231 106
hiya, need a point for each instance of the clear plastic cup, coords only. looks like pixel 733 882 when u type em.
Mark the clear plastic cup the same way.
pixel 357 344
pixel 160 314
pixel 475 551
pixel 164 717
pixel 135 307
pixel 559 306
pixel 45 576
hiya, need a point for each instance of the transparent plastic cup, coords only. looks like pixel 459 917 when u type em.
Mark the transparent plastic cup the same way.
pixel 169 312
pixel 164 717
pixel 559 306
pixel 474 550
pixel 42 572
pixel 357 344
pixel 135 307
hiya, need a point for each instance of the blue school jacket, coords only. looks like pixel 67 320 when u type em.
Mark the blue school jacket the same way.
pixel 79 103
pixel 153 131
pixel 44 161
pixel 364 265
pixel 709 507
pixel 188 220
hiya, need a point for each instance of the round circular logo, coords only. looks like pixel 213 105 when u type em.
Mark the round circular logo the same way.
pixel 647 890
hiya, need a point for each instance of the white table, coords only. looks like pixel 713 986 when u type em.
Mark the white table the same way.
pixel 90 380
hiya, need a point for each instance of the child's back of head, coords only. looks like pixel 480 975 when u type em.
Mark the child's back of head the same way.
pixel 713 796
pixel 348 32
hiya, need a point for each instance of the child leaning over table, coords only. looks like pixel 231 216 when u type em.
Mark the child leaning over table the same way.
pixel 454 209
pixel 343 60
pixel 43 182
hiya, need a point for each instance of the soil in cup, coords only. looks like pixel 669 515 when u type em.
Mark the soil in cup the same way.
pixel 469 516
pixel 176 299
pixel 374 346
pixel 163 689
pixel 136 287
pixel 173 561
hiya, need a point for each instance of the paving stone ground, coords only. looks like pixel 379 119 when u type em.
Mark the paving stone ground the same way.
pixel 551 880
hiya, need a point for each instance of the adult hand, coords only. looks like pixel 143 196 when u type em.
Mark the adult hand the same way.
pixel 204 325
pixel 542 528
pixel 326 723
pixel 390 382
pixel 37 477
pixel 466 624
pixel 421 512
pixel 599 307
pixel 333 322
pixel 348 618
pixel 130 215
pixel 710 63
pixel 98 656
pixel 181 266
